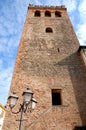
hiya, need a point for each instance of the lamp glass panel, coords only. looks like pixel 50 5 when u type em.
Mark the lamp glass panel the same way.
pixel 27 97
pixel 12 101
pixel 33 103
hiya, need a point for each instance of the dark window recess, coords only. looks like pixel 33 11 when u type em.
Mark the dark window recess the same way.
pixel 58 50
pixel 47 14
pixel 37 14
pixel 57 14
pixel 49 30
pixel 56 97
pixel 80 128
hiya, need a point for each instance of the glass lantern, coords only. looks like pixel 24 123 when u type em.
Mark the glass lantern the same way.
pixel 27 95
pixel 12 100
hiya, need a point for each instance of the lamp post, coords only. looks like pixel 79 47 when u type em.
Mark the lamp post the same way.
pixel 28 102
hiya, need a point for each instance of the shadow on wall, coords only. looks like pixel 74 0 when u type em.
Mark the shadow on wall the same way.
pixel 77 71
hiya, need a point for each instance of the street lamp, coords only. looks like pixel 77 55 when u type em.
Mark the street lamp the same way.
pixel 28 102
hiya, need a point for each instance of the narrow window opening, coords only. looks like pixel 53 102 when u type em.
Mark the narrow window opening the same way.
pixel 49 30
pixel 37 13
pixel 57 14
pixel 47 14
pixel 58 50
pixel 56 97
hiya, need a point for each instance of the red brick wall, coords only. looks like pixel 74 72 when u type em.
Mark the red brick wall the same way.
pixel 42 68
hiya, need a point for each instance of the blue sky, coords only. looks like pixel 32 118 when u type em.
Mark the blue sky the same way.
pixel 12 17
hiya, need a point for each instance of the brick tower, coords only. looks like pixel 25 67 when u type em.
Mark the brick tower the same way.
pixel 50 63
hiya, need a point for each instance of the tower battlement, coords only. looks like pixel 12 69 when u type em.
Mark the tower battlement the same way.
pixel 62 7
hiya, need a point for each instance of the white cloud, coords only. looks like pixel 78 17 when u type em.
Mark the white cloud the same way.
pixel 38 2
pixel 81 27
pixel 70 4
pixel 7 45
pixel 51 2
pixel 81 32
pixel 5 74
pixel 1 62
pixel 82 11
pixel 5 80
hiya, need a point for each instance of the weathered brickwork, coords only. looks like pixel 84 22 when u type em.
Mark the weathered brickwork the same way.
pixel 47 61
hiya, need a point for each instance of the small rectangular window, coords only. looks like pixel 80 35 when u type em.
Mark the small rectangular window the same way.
pixel 56 97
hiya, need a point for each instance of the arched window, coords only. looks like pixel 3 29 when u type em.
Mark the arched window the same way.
pixel 49 30
pixel 37 13
pixel 47 14
pixel 57 14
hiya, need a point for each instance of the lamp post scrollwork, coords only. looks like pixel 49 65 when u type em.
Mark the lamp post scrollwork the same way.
pixel 28 103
